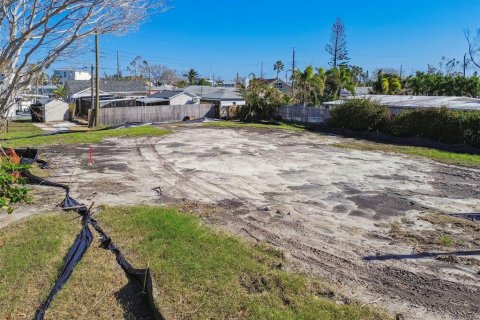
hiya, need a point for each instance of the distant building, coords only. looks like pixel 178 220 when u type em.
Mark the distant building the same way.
pixel 398 103
pixel 169 97
pixel 126 89
pixel 217 96
pixel 112 93
pixel 278 84
pixel 359 91
pixel 46 90
pixel 227 84
pixel 71 74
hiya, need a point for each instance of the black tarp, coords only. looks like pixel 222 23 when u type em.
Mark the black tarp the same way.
pixel 141 278
pixel 77 250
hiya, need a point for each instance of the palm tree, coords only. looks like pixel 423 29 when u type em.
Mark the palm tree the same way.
pixel 61 92
pixel 279 67
pixel 311 85
pixel 337 79
pixel 191 75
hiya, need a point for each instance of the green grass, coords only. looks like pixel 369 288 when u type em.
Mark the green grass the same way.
pixel 20 132
pixel 31 254
pixel 466 160
pixel 204 274
pixel 290 126
pixel 198 273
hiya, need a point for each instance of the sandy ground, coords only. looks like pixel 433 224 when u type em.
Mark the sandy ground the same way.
pixel 326 207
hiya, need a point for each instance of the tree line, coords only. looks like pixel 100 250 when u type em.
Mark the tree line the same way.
pixel 428 84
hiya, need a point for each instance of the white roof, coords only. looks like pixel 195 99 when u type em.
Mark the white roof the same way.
pixel 412 102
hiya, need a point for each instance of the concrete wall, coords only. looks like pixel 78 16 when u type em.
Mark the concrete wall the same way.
pixel 304 114
pixel 169 113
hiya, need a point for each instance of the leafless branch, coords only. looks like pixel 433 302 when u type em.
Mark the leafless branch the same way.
pixel 38 32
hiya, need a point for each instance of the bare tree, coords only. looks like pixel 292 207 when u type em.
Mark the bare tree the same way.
pixel 140 69
pixel 473 46
pixel 337 47
pixel 162 75
pixel 39 32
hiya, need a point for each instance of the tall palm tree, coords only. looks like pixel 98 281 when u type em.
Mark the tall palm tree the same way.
pixel 279 67
pixel 191 75
pixel 339 78
pixel 310 85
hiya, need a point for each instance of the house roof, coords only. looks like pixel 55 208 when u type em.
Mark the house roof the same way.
pixel 223 94
pixel 107 86
pixel 152 100
pixel 412 102
pixel 267 81
pixel 271 81
pixel 169 94
pixel 215 93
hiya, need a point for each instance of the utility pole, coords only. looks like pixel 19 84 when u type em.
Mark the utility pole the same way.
pixel 261 72
pixel 92 97
pixel 401 71
pixel 236 81
pixel 118 67
pixel 97 81
pixel 293 73
pixel 465 65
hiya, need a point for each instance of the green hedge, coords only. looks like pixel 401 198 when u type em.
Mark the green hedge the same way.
pixel 360 115
pixel 437 124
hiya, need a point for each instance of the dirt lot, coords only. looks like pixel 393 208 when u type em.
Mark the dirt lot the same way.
pixel 372 224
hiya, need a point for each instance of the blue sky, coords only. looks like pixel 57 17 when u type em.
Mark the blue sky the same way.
pixel 230 36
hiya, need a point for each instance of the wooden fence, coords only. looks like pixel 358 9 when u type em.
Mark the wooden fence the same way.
pixel 114 116
pixel 304 114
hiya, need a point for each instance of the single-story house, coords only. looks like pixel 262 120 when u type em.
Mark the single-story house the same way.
pixel 224 97
pixel 278 84
pixel 169 97
pixel 399 103
pixel 49 110
pixel 126 89
pixel 80 92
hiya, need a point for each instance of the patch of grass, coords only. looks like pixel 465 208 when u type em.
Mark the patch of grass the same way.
pixel 466 160
pixel 199 273
pixel 31 254
pixel 23 131
pixel 204 274
pixel 446 221
pixel 290 126
pixel 446 240
pixel 18 129
pixel 94 289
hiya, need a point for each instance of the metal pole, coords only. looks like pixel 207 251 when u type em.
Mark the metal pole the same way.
pixel 92 96
pixel 293 73
pixel 97 81
pixel 118 67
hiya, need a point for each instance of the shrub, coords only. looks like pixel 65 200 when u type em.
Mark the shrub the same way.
pixel 440 124
pixel 11 188
pixel 360 115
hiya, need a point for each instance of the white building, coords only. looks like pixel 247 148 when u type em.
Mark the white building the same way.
pixel 50 110
pixel 398 103
pixel 71 74
pixel 170 97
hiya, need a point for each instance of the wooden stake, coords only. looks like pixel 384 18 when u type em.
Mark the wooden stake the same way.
pixel 70 181
pixel 145 280
pixel 5 154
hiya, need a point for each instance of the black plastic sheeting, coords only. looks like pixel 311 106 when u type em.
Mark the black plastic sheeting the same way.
pixel 141 278
pixel 74 255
